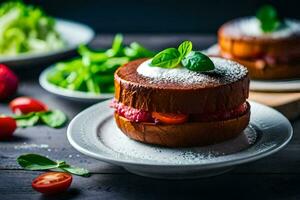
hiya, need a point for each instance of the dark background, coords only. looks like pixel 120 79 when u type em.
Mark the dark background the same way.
pixel 159 16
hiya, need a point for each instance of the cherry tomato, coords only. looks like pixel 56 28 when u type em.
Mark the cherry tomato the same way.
pixel 24 105
pixel 170 118
pixel 52 182
pixel 7 127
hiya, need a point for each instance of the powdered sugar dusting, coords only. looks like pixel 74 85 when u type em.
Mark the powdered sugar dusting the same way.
pixel 123 146
pixel 225 71
pixel 250 26
pixel 31 146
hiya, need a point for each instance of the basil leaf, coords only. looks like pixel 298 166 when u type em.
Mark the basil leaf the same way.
pixel 54 118
pixel 185 48
pixel 268 17
pixel 28 120
pixel 36 162
pixel 76 170
pixel 61 163
pixel 168 58
pixel 196 61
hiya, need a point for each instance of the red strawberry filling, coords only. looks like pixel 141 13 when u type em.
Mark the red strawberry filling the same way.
pixel 137 115
pixel 222 115
pixel 130 113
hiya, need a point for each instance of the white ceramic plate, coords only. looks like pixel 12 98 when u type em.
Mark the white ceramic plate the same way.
pixel 93 132
pixel 73 33
pixel 69 94
pixel 261 85
pixel 276 86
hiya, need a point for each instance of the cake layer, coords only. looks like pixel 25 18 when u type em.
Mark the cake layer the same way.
pixel 222 89
pixel 258 69
pixel 183 135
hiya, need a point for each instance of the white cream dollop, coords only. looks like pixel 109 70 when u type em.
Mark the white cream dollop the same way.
pixel 178 74
pixel 229 70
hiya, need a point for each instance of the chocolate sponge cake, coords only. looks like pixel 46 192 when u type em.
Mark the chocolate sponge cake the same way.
pixel 205 92
pixel 178 107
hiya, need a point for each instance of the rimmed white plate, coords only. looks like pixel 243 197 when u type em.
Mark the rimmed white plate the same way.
pixel 93 132
pixel 290 85
pixel 70 94
pixel 287 85
pixel 72 32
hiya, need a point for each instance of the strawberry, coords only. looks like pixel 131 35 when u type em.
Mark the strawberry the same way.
pixel 8 82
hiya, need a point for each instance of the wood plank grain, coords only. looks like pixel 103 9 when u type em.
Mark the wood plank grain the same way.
pixel 56 146
pixel 128 186
pixel 274 177
pixel 285 161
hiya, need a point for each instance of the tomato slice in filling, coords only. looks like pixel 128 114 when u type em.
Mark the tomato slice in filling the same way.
pixel 170 118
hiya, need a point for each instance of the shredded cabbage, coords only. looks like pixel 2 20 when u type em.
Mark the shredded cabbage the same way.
pixel 25 28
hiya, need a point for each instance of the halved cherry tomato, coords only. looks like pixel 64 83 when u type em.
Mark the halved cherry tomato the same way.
pixel 170 118
pixel 24 105
pixel 7 127
pixel 52 182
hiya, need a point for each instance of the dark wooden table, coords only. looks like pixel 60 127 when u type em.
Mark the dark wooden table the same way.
pixel 274 177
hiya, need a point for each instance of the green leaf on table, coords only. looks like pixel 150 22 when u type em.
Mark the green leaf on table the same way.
pixel 36 162
pixel 268 17
pixel 76 170
pixel 54 118
pixel 185 48
pixel 168 58
pixel 28 120
pixel 196 61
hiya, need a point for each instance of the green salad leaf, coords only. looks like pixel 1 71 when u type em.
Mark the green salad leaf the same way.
pixel 94 71
pixel 28 120
pixel 268 17
pixel 51 118
pixel 25 28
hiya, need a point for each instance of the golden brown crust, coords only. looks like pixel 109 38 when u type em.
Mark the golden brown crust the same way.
pixel 242 46
pixel 184 135
pixel 261 71
pixel 132 90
